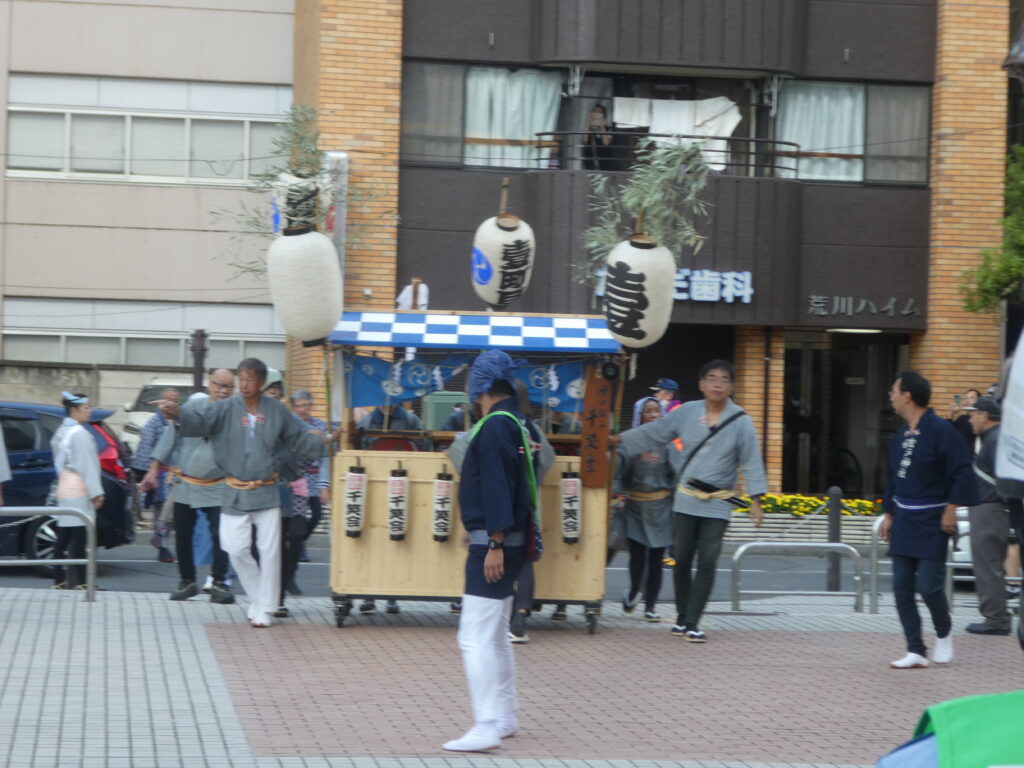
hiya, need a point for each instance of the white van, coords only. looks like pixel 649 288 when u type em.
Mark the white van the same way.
pixel 142 410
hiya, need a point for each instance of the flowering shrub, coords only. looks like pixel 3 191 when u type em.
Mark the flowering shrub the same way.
pixel 800 506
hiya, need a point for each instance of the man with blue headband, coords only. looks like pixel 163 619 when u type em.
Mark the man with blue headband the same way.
pixel 496 501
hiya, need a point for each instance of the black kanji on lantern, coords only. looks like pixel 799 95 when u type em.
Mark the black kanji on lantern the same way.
pixel 515 261
pixel 625 300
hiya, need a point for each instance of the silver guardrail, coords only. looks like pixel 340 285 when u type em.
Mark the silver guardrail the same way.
pixel 90 542
pixel 876 544
pixel 798 548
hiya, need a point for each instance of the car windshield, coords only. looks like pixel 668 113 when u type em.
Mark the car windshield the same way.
pixel 153 392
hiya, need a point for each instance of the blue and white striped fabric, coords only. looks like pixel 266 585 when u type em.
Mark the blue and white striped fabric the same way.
pixel 526 333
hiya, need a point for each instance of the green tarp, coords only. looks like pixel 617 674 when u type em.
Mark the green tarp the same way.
pixel 978 731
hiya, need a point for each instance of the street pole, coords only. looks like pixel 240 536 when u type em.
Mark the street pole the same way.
pixel 835 510
pixel 198 343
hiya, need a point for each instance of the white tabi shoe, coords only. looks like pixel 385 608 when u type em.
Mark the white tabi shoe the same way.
pixel 508 725
pixel 943 653
pixel 910 661
pixel 480 738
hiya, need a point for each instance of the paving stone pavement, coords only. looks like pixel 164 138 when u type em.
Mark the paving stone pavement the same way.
pixel 135 680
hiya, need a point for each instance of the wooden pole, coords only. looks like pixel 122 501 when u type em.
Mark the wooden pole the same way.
pixel 503 198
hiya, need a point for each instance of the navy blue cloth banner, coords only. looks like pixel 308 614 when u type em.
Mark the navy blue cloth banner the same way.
pixel 370 381
pixel 559 386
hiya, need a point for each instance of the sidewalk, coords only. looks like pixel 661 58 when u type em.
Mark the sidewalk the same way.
pixel 790 681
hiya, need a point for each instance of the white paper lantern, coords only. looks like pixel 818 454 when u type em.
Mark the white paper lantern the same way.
pixel 639 291
pixel 355 501
pixel 398 504
pixel 305 284
pixel 442 521
pixel 502 261
pixel 572 494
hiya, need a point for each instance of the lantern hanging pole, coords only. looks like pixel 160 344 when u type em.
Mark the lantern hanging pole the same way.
pixel 503 197
pixel 639 224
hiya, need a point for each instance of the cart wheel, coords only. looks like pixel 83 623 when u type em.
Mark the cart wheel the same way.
pixel 340 614
pixel 591 623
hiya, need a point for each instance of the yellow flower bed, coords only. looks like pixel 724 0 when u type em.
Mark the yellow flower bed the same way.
pixel 800 506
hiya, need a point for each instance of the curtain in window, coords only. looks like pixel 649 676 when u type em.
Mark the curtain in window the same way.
pixel 35 140
pixel 97 144
pixel 158 146
pixel 897 138
pixel 826 119
pixel 217 150
pixel 504 105
pixel 432 112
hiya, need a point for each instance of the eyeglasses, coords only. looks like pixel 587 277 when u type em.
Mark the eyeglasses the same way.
pixel 718 379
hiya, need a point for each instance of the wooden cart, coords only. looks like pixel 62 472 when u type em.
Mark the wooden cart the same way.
pixel 373 566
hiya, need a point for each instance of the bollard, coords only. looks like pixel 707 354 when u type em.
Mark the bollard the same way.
pixel 835 511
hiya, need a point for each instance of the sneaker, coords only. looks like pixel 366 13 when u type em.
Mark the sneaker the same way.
pixel 943 652
pixel 984 628
pixel 164 555
pixel 207 585
pixel 220 593
pixel 392 607
pixel 185 590
pixel 518 639
pixel 559 614
pixel 629 603
pixel 281 613
pixel 911 661
pixel 455 607
pixel 480 738
pixel 694 635
pixel 668 561
pixel 367 606
pixel 652 617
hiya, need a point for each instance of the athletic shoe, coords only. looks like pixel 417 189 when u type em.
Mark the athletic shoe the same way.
pixel 220 593
pixel 559 614
pixel 629 603
pixel 281 613
pixel 910 661
pixel 518 639
pixel 984 628
pixel 367 606
pixel 164 555
pixel 652 617
pixel 694 635
pixel 207 585
pixel 507 725
pixel 185 590
pixel 480 738
pixel 943 652
pixel 392 607
pixel 668 561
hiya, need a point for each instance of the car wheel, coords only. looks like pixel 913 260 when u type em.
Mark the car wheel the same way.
pixel 40 543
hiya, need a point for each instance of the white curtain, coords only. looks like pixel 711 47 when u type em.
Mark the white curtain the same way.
pixel 826 118
pixel 502 104
pixel 897 133
pixel 432 112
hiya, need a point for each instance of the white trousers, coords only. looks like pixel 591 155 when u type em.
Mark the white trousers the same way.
pixel 488 657
pixel 261 581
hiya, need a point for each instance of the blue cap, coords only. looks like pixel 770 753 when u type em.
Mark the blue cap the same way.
pixel 665 384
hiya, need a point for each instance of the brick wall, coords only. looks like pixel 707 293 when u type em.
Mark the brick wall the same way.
pixel 968 148
pixel 751 379
pixel 348 64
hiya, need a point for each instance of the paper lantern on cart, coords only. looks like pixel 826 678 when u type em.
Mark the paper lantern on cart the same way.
pixel 639 290
pixel 398 504
pixel 502 260
pixel 355 501
pixel 572 491
pixel 442 519
pixel 305 283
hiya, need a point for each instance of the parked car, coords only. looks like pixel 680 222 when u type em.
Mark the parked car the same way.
pixel 27 430
pixel 144 407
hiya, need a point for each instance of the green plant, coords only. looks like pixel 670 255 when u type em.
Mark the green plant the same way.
pixel 1001 272
pixel 661 191
pixel 798 505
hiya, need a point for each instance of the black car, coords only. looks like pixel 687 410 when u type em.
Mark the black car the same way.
pixel 27 430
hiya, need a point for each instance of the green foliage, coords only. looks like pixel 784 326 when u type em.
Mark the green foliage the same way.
pixel 662 189
pixel 999 276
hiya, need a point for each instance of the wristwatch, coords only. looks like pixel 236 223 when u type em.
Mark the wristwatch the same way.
pixel 492 544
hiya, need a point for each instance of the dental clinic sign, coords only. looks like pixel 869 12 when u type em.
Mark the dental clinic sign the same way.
pixel 712 285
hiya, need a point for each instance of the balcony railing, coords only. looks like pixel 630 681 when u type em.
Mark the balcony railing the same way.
pixel 583 150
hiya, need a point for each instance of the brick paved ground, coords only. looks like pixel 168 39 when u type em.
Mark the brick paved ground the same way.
pixel 135 680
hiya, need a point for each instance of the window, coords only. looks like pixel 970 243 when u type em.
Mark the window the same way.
pixel 152 138
pixel 35 141
pixel 857 132
pixel 486 116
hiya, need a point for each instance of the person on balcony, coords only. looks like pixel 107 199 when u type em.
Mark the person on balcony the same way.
pixel 597 141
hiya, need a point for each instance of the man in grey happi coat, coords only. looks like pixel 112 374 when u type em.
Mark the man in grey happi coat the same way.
pixel 718 440
pixel 247 432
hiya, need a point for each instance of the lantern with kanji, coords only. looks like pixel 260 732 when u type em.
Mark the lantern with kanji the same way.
pixel 639 290
pixel 502 259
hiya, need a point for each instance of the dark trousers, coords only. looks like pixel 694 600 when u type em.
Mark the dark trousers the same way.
pixel 645 572
pixel 70 544
pixel 185 519
pixel 700 536
pixel 293 533
pixel 524 590
pixel 925 577
pixel 316 513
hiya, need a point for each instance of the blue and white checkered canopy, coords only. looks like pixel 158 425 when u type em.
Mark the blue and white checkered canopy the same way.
pixel 526 333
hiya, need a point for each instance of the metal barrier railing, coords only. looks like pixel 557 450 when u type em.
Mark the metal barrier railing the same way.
pixel 799 548
pixel 90 542
pixel 874 561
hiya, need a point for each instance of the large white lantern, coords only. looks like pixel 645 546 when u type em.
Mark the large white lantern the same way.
pixel 639 290
pixel 503 249
pixel 305 283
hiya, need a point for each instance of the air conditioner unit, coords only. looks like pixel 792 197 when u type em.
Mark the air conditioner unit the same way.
pixel 438 405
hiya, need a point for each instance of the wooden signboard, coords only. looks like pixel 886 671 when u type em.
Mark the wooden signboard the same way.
pixel 597 411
